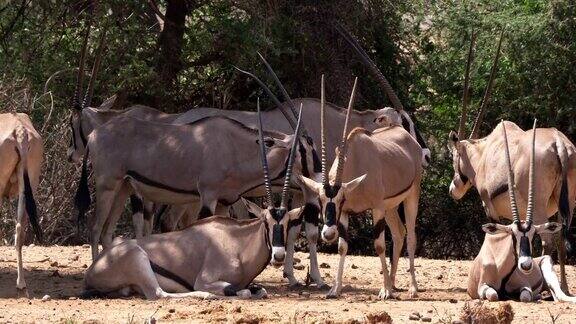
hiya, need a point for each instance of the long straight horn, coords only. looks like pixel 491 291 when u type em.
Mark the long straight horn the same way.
pixel 530 208
pixel 487 93
pixel 372 68
pixel 80 78
pixel 95 69
pixel 465 99
pixel 343 144
pixel 272 96
pixel 267 183
pixel 511 184
pixel 323 132
pixel 286 188
pixel 279 84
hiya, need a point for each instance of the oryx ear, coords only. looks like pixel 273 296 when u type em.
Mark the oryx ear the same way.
pixel 309 184
pixel 351 185
pixel 253 208
pixel 548 228
pixel 493 228
pixel 268 141
pixel 453 136
pixel 109 103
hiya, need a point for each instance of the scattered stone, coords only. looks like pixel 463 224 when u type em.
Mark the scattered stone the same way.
pixel 354 278
pixel 416 314
pixel 324 265
pixel 305 294
pixel 413 317
pixel 297 260
pixel 74 258
pixel 439 277
pixel 237 309
pixel 171 310
pixel 353 266
pixel 426 319
pixel 54 264
pixel 453 301
pixel 84 266
pixel 299 267
pixel 327 275
pixel 46 298
pixel 430 311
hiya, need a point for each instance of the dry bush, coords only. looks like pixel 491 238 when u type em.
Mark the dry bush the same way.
pixel 487 313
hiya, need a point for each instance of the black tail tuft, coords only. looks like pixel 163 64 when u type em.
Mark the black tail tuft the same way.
pixel 82 200
pixel 564 210
pixel 31 208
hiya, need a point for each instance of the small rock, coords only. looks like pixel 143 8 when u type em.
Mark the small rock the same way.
pixel 429 311
pixel 237 309
pixel 416 314
pixel 426 319
pixel 299 267
pixel 72 298
pixel 439 277
pixel 32 245
pixel 54 264
pixel 324 265
pixel 305 294
pixel 74 258
pixel 297 260
pixel 46 298
pixel 171 310
pixel 413 317
pixel 353 266
pixel 453 301
pixel 381 272
pixel 84 266
pixel 354 278
pixel 327 275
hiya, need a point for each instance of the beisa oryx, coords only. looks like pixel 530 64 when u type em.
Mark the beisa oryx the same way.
pixel 216 256
pixel 374 171
pixel 21 154
pixel 504 268
pixel 479 162
pixel 211 160
pixel 84 119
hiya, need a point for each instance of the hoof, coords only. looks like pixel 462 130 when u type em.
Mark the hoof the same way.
pixel 491 295
pixel 22 292
pixel 386 294
pixel 260 294
pixel 244 294
pixel 333 293
pixel 525 296
pixel 413 292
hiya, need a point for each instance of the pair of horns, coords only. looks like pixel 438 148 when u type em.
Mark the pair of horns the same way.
pixel 87 100
pixel 291 118
pixel 288 176
pixel 512 185
pixel 487 93
pixel 371 66
pixel 343 144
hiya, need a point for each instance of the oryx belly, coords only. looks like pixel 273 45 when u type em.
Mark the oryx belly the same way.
pixel 161 193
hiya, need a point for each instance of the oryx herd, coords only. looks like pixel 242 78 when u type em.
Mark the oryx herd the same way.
pixel 199 163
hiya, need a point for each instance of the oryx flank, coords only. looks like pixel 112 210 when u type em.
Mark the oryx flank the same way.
pixel 217 256
pixel 374 171
pixel 504 268
pixel 21 153
pixel 479 162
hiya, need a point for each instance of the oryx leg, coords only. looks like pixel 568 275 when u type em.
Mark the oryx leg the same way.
pixel 552 280
pixel 148 211
pixel 116 210
pixel 208 201
pixel 562 259
pixel 411 212
pixel 380 247
pixel 137 208
pixel 398 231
pixel 223 210
pixel 19 239
pixel 104 199
pixel 342 251
pixel 172 217
pixel 311 227
pixel 488 282
pixel 288 273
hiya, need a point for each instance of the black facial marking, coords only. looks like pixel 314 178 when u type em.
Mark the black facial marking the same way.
pixel 331 191
pixel 525 246
pixel 330 212
pixel 303 160
pixel 311 212
pixel 503 188
pixel 204 212
pixel 278 235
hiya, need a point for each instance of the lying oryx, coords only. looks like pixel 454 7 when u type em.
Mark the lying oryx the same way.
pixel 375 171
pixel 504 268
pixel 478 162
pixel 21 152
pixel 211 160
pixel 215 256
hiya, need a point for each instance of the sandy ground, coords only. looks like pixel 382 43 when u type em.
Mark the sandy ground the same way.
pixel 58 272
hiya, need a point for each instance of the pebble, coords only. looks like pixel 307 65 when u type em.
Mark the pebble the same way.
pixel 46 298
pixel 324 265
pixel 297 260
pixel 354 278
pixel 299 267
pixel 439 277
pixel 305 294
pixel 416 314
pixel 453 301
pixel 413 317
pixel 74 258
pixel 32 245
pixel 353 266
pixel 426 319
pixel 54 264
pixel 171 310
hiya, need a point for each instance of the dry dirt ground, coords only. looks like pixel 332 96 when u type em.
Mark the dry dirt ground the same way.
pixel 58 271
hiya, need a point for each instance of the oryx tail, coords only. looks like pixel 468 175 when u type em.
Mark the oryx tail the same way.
pixel 82 199
pixel 27 201
pixel 564 201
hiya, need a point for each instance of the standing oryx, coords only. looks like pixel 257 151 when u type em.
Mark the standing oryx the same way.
pixel 504 268
pixel 479 162
pixel 374 171
pixel 21 153
pixel 215 256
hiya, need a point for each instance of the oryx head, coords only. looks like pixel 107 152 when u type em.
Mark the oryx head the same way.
pixel 77 147
pixel 463 172
pixel 276 217
pixel 387 116
pixel 332 194
pixel 522 232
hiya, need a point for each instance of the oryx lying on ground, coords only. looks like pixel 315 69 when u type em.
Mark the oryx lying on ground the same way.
pixel 375 171
pixel 215 256
pixel 479 162
pixel 21 153
pixel 504 268
pixel 212 160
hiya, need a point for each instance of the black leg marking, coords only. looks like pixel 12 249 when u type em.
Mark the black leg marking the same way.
pixel 230 290
pixel 170 275
pixel 311 213
pixel 204 212
pixel 255 288
pixel 342 232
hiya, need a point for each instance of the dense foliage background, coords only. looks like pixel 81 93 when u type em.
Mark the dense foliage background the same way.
pixel 179 54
